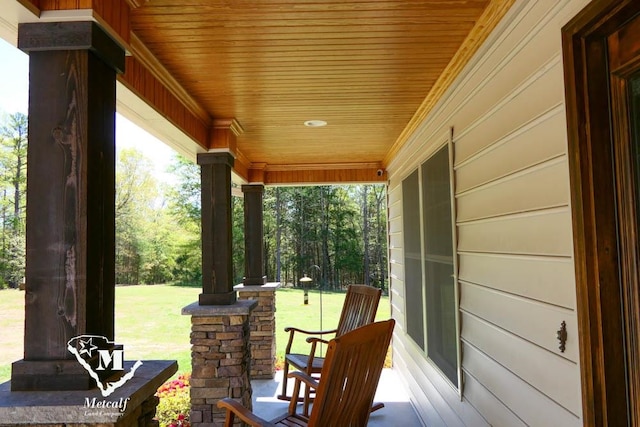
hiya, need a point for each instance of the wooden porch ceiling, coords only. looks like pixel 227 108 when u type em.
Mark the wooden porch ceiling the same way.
pixel 371 69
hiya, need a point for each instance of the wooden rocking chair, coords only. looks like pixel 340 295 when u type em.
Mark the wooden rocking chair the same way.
pixel 344 396
pixel 359 309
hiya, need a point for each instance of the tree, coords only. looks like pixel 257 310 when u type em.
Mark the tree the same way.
pixel 184 208
pixel 341 229
pixel 136 194
pixel 185 196
pixel 13 162
pixel 159 251
pixel 365 233
pixel 14 136
pixel 379 194
pixel 237 235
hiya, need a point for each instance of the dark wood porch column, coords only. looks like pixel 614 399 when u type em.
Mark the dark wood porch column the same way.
pixel 217 244
pixel 253 235
pixel 70 273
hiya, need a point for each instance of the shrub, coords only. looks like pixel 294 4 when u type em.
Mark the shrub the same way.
pixel 174 406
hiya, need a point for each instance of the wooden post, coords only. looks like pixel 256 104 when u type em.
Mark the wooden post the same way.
pixel 70 273
pixel 217 243
pixel 253 235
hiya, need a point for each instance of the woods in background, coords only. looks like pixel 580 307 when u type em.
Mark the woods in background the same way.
pixel 334 234
pixel 13 182
pixel 341 229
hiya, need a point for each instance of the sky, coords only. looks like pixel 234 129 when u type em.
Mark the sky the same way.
pixel 14 97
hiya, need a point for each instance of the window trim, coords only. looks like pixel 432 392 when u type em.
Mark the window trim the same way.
pixel 454 250
pixel 445 141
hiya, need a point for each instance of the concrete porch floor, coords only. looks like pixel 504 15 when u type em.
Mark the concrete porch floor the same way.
pixel 397 411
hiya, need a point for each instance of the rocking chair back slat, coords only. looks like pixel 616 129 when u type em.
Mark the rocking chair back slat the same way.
pixel 359 309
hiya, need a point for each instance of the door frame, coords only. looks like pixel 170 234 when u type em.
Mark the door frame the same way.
pixel 599 175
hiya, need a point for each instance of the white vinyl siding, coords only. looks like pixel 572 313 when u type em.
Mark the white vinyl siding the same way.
pixel 514 233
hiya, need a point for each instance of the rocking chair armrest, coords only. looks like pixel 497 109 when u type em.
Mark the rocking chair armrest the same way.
pixel 302 331
pixel 312 340
pixel 235 408
pixel 312 354
pixel 293 330
pixel 305 378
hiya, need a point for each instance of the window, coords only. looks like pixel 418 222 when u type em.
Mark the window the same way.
pixel 413 259
pixel 430 284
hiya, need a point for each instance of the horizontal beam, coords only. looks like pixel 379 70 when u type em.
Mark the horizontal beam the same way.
pixel 319 175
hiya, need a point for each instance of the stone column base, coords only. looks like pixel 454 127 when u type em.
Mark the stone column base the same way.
pixel 131 405
pixel 263 328
pixel 220 359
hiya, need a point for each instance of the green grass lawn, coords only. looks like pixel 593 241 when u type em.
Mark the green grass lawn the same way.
pixel 150 326
pixel 11 330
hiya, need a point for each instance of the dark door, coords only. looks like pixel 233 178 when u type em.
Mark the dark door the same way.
pixel 624 70
pixel 601 49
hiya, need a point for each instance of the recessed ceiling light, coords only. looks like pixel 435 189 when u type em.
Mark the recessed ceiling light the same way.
pixel 315 123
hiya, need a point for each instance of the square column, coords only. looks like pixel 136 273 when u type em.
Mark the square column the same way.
pixel 217 241
pixel 220 359
pixel 70 272
pixel 253 235
pixel 70 237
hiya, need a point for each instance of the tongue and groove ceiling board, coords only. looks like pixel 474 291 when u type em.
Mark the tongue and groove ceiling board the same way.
pixel 365 67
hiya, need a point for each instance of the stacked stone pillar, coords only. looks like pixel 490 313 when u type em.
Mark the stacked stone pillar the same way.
pixel 263 328
pixel 220 359
pixel 255 287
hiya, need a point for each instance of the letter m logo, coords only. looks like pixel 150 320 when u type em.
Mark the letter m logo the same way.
pixel 106 358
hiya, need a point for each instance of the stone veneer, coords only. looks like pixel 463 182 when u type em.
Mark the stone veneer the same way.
pixel 69 408
pixel 263 328
pixel 220 359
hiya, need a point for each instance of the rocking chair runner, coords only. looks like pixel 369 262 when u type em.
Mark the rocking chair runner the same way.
pixel 344 396
pixel 359 309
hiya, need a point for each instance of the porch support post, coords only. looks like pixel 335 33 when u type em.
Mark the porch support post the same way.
pixel 255 287
pixel 220 348
pixel 253 235
pixel 70 238
pixel 217 244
